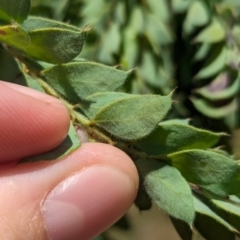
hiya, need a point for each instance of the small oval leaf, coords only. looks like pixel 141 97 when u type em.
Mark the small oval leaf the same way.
pixel 203 167
pixel 207 219
pixel 76 81
pixel 14 10
pixel 70 143
pixel 55 45
pixel 165 185
pixel 9 34
pixel 170 136
pixel 128 117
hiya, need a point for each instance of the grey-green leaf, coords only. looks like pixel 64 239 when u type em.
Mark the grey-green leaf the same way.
pixel 207 219
pixel 70 144
pixel 171 136
pixel 203 167
pixel 224 189
pixel 183 229
pixel 9 34
pixel 76 81
pixel 55 45
pixel 35 23
pixel 165 185
pixel 130 117
pixel 14 10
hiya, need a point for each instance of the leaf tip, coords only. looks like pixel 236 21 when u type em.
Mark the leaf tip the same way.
pixel 172 92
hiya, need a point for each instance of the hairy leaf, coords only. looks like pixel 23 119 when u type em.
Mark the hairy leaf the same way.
pixel 7 62
pixel 227 210
pixel 76 81
pixel 9 34
pixel 14 10
pixel 142 201
pixel 207 219
pixel 35 23
pixel 182 228
pixel 128 116
pixel 55 45
pixel 70 144
pixel 165 185
pixel 223 189
pixel 203 167
pixel 171 136
pixel 100 100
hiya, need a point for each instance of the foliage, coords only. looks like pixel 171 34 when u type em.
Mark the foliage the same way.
pixel 179 166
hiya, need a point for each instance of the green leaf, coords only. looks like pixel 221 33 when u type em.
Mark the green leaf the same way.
pixel 76 81
pixel 9 34
pixel 202 52
pixel 70 144
pixel 182 228
pixel 159 9
pixel 55 45
pixel 165 185
pixel 120 14
pixel 209 110
pixel 130 49
pixel 223 189
pixel 236 33
pixel 203 167
pixel 142 200
pixel 98 101
pixel 213 33
pixel 56 8
pixel 157 32
pixel 171 136
pixel 207 219
pixel 126 116
pixel 199 9
pixel 7 62
pixel 148 69
pixel 14 10
pixel 113 36
pixel 225 86
pixel 137 19
pixel 180 6
pixel 228 209
pixel 35 23
pixel 214 67
pixel 28 81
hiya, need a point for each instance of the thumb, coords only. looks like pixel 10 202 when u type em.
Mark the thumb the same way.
pixel 73 198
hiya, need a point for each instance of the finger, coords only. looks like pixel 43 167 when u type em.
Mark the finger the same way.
pixel 75 198
pixel 30 122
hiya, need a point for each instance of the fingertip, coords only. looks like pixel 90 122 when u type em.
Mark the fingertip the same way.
pixel 29 124
pixel 87 202
pixel 112 155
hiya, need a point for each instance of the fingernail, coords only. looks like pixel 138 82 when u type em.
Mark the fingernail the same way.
pixel 87 203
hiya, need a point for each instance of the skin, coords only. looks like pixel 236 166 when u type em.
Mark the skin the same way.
pixel 76 197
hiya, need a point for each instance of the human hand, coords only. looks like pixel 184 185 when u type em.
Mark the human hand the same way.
pixel 76 197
